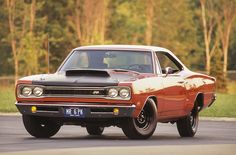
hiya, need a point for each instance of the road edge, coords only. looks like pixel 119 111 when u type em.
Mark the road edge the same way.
pixel 213 149
pixel 10 114
pixel 218 118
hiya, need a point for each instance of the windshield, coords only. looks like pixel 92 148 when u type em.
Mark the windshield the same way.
pixel 130 60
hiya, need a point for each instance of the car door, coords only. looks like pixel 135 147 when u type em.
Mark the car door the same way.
pixel 174 91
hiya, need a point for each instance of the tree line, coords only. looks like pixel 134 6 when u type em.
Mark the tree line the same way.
pixel 36 35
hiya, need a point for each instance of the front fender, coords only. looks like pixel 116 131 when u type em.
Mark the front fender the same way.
pixel 143 89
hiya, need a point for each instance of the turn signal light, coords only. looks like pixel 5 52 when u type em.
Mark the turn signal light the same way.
pixel 33 109
pixel 115 111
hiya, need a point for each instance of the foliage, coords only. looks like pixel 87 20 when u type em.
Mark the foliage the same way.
pixel 127 24
pixel 217 72
pixel 64 25
pixel 33 50
pixel 175 29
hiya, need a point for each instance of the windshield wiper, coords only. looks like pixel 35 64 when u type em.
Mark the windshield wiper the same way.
pixel 125 70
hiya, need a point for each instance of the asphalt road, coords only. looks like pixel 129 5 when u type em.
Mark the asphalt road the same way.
pixel 213 136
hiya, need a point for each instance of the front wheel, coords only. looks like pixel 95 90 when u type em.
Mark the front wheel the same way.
pixel 40 127
pixel 144 126
pixel 187 127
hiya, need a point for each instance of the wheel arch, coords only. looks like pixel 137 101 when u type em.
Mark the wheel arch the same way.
pixel 151 97
pixel 154 99
pixel 200 101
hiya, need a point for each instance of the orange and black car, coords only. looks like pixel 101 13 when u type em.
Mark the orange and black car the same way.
pixel 131 87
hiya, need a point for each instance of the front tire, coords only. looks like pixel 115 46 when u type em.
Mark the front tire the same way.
pixel 94 130
pixel 187 127
pixel 40 127
pixel 144 126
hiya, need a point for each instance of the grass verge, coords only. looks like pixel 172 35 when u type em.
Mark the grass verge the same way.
pixel 7 99
pixel 224 106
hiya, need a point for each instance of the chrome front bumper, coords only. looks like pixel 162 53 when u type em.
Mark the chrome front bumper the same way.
pixel 95 110
pixel 212 100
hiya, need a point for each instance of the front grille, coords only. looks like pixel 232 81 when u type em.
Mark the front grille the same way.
pixel 74 91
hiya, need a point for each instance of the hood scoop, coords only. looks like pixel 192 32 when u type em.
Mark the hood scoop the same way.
pixel 90 72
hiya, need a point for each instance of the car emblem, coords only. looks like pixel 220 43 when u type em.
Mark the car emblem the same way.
pixel 95 92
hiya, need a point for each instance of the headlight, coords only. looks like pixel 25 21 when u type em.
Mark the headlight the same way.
pixel 119 93
pixel 124 93
pixel 113 93
pixel 38 91
pixel 26 91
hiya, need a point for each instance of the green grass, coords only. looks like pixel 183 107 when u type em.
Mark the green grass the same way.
pixel 7 99
pixel 224 106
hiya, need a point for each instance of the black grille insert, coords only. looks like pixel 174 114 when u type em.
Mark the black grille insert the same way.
pixel 94 92
pixel 47 109
pixel 101 109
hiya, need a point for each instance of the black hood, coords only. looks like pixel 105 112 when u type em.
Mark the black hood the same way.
pixel 85 78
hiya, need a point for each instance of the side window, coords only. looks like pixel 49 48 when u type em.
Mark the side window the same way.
pixel 167 60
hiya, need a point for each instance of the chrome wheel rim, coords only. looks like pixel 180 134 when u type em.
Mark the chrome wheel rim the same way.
pixel 193 120
pixel 144 120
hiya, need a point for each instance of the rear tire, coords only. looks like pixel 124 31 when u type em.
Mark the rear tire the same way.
pixel 41 127
pixel 95 130
pixel 187 127
pixel 144 126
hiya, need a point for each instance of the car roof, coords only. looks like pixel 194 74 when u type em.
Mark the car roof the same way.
pixel 123 47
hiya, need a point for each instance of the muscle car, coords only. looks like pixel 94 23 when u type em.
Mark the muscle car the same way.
pixel 128 86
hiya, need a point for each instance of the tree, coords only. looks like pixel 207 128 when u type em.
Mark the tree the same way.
pixel 33 41
pixel 89 21
pixel 12 15
pixel 209 25
pixel 26 42
pixel 127 23
pixel 174 28
pixel 217 72
pixel 60 38
pixel 6 65
pixel 149 21
pixel 193 30
pixel 225 15
pixel 232 47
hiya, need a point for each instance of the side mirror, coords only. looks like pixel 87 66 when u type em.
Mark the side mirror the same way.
pixel 168 70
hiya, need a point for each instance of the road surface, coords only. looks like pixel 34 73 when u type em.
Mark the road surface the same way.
pixel 213 137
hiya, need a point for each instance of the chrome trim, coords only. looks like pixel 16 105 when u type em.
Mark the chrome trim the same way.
pixel 154 60
pixel 45 111
pixel 64 61
pixel 72 95
pixel 122 50
pixel 101 113
pixel 20 86
pixel 172 56
pixel 63 104
pixel 73 88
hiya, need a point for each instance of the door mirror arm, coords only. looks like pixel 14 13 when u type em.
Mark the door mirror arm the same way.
pixel 168 70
